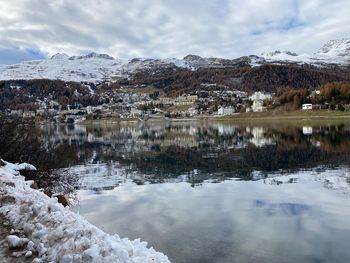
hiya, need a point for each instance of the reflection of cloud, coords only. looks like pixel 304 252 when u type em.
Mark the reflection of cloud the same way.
pixel 230 219
pixel 286 209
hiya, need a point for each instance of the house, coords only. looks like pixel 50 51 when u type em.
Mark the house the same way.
pixel 258 106
pixel 185 100
pixel 28 114
pixel 225 110
pixel 40 112
pixel 258 99
pixel 166 101
pixel 16 112
pixel 307 106
pixel 135 113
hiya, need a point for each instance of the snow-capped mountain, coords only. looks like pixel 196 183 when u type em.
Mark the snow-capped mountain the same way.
pixel 333 52
pixel 95 67
pixel 90 68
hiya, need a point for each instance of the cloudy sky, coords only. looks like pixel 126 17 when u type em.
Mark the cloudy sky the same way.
pixel 35 29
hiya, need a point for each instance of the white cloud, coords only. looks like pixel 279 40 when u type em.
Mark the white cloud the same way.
pixel 172 28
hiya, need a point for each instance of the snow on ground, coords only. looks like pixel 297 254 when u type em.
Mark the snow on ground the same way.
pixel 15 168
pixel 51 233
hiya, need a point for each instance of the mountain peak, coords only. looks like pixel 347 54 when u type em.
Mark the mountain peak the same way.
pixel 337 47
pixel 95 55
pixel 278 52
pixel 60 56
pixel 191 57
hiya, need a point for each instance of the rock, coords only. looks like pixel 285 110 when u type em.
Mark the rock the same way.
pixel 28 254
pixel 16 242
pixel 47 192
pixel 17 254
pixel 62 200
pixel 34 186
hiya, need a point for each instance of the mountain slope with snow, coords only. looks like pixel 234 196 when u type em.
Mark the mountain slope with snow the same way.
pixel 333 52
pixel 99 67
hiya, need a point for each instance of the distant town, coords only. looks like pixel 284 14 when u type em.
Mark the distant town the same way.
pixel 140 103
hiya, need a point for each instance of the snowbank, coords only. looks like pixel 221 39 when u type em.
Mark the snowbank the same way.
pixel 14 168
pixel 52 233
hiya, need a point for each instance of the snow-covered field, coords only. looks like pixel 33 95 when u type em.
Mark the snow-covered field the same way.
pixel 48 232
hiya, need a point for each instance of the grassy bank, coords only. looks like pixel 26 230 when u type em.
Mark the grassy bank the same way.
pixel 285 115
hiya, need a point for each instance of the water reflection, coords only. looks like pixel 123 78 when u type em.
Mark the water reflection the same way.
pixel 198 151
pixel 217 192
pixel 234 221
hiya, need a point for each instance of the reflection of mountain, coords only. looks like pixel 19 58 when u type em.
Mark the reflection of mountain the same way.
pixel 333 179
pixel 216 150
pixel 107 176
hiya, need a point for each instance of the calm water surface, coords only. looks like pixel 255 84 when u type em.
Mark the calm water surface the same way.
pixel 211 192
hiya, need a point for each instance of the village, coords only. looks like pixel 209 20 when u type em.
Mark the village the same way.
pixel 130 103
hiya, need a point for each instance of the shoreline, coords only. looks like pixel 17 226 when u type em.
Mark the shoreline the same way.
pixel 49 232
pixel 286 116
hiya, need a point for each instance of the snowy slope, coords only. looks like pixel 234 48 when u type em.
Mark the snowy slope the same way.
pixel 48 232
pixel 99 67
pixel 91 68
pixel 333 52
pixel 337 51
pixel 287 56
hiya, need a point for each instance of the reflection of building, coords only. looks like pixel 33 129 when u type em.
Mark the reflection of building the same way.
pixel 259 139
pixel 307 130
pixel 225 129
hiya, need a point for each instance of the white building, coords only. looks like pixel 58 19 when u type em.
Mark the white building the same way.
pixel 258 99
pixel 28 114
pixel 258 106
pixel 307 106
pixel 185 100
pixel 135 112
pixel 225 110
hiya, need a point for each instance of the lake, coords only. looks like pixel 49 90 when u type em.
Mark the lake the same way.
pixel 215 192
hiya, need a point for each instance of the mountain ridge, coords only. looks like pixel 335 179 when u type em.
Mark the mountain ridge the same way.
pixel 94 67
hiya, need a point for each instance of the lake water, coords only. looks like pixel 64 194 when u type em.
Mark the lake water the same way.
pixel 216 192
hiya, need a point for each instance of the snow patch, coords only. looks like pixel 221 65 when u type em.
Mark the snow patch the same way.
pixel 15 168
pixel 56 234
